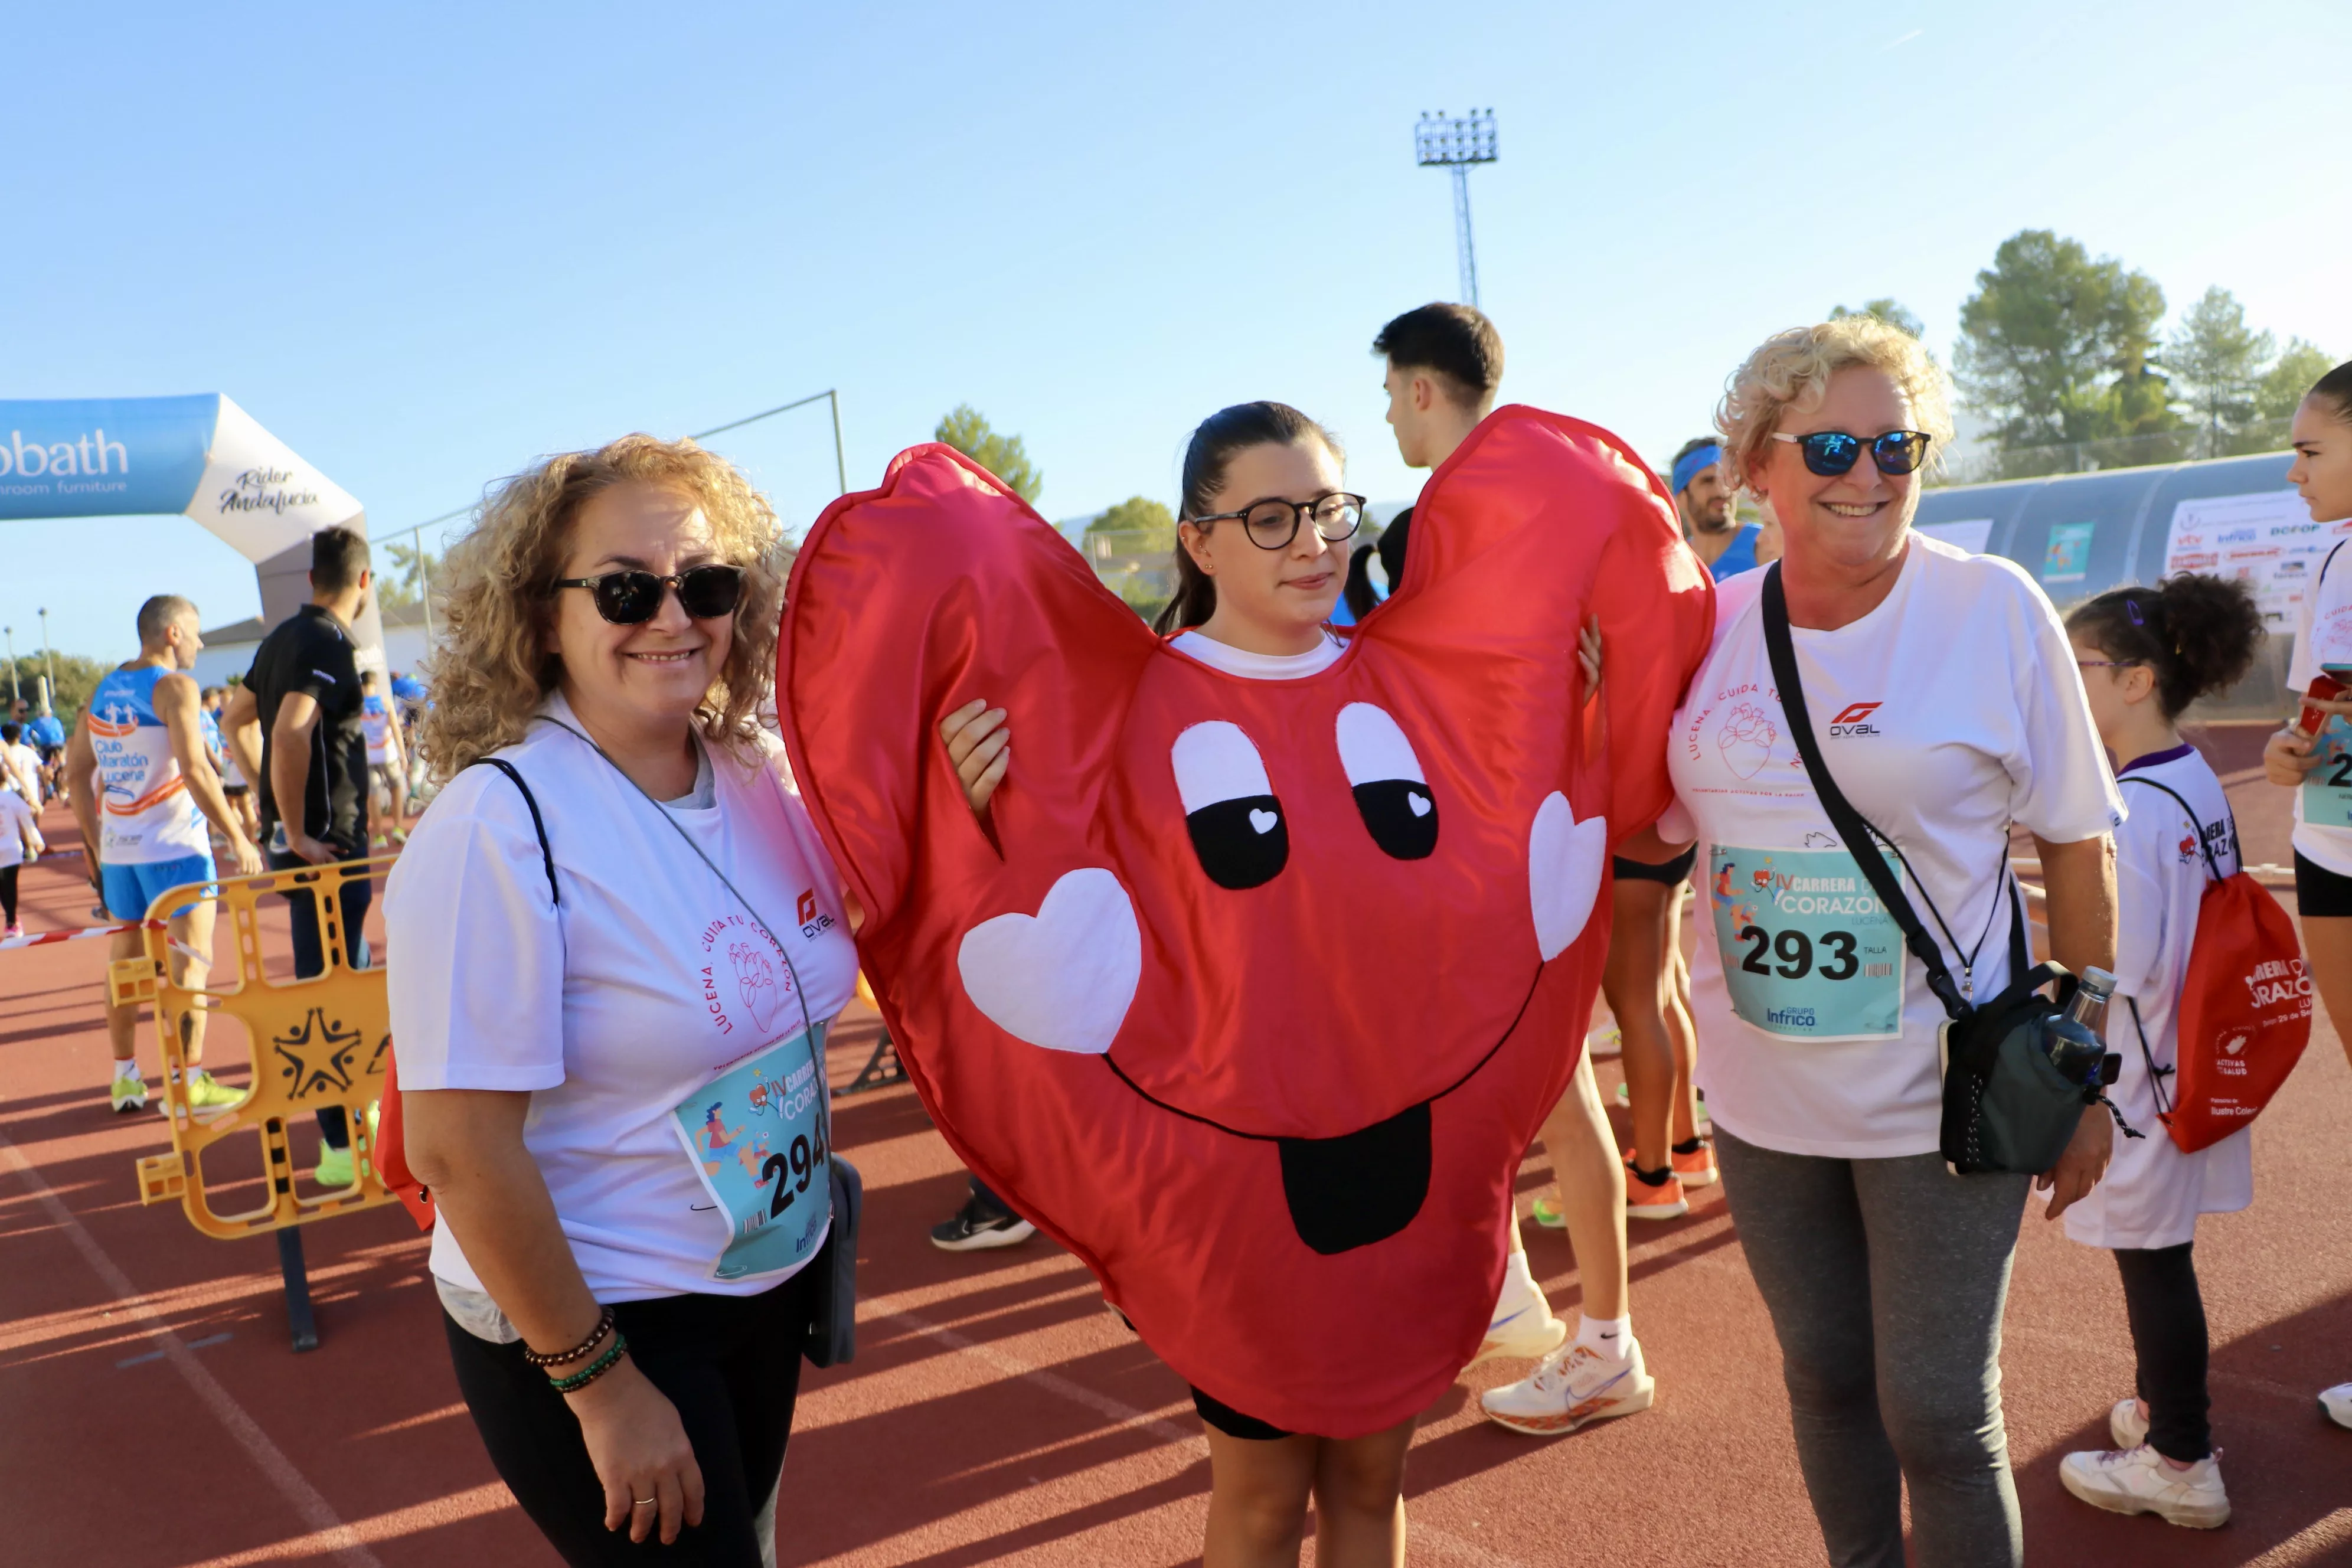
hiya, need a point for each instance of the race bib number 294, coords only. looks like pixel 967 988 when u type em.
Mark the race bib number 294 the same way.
pixel 1808 952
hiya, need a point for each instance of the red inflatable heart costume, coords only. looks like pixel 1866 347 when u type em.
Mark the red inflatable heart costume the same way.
pixel 1272 981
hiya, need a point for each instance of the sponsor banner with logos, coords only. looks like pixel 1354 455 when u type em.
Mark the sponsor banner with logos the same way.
pixel 2266 539
pixel 202 456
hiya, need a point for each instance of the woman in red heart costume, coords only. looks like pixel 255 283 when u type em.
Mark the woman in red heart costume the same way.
pixel 1262 987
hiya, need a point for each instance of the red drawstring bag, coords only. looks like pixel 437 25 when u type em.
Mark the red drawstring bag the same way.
pixel 2245 1007
pixel 390 1156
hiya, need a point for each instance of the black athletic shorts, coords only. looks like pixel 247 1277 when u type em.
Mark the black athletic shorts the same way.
pixel 1233 1423
pixel 2320 893
pixel 1667 871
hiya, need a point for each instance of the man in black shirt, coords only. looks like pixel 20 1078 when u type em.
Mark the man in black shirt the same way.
pixel 295 728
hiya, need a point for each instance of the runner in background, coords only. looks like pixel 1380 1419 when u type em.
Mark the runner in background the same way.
pixel 20 843
pixel 1444 364
pixel 233 784
pixel 22 763
pixel 142 789
pixel 387 765
pixel 2322 475
pixel 1707 504
pixel 49 738
pixel 294 727
pixel 2145 654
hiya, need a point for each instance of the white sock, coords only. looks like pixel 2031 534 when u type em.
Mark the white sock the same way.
pixel 1605 1336
pixel 128 1067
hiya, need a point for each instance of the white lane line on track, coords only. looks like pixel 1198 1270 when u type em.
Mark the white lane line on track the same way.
pixel 1126 1415
pixel 330 1533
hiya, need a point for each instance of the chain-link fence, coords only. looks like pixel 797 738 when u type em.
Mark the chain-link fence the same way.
pixel 2150 450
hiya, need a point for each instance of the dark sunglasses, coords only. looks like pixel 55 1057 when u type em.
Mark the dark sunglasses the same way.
pixel 633 598
pixel 1828 452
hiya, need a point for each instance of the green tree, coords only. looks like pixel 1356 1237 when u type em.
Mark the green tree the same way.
pixel 412 567
pixel 1890 311
pixel 2280 392
pixel 2217 363
pixel 77 676
pixel 2056 347
pixel 1153 524
pixel 1003 456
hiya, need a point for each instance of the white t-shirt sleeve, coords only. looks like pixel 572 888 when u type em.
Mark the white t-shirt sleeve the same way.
pixel 475 965
pixel 2060 788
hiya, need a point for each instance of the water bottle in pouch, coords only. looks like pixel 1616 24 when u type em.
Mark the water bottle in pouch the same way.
pixel 2073 1037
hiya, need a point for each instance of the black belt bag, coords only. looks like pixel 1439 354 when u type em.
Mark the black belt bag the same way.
pixel 2007 1109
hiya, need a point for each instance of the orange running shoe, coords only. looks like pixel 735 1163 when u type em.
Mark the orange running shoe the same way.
pixel 1696 1169
pixel 1644 1200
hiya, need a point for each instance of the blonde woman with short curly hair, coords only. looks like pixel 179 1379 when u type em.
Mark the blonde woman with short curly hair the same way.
pixel 1943 695
pixel 616 943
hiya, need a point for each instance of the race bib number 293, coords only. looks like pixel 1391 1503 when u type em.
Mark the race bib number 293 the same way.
pixel 1808 952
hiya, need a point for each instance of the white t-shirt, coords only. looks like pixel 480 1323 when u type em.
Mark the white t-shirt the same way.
pixel 2323 634
pixel 2152 1192
pixel 16 816
pixel 25 765
pixel 1260 666
pixel 623 1004
pixel 1951 710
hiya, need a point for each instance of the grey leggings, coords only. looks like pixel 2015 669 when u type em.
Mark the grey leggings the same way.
pixel 1886 1280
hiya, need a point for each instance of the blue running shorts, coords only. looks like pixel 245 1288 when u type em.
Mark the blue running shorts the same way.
pixel 130 889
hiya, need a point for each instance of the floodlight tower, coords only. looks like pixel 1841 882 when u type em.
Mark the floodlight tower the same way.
pixel 1453 145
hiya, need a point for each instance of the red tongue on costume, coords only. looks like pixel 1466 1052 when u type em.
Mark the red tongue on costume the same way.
pixel 1262 986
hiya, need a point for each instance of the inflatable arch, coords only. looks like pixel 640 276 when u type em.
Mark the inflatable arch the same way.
pixel 200 457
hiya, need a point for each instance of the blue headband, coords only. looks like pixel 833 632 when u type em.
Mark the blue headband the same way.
pixel 1693 464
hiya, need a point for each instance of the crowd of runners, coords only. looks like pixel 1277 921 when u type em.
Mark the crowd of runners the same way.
pixel 556 920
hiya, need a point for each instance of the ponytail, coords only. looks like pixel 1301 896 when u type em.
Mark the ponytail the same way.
pixel 1358 593
pixel 2199 634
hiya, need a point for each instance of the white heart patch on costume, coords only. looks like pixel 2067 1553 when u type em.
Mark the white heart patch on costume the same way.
pixel 1565 859
pixel 1064 977
pixel 1263 821
pixel 1419 803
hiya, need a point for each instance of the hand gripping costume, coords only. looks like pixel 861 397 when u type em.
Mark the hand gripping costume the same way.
pixel 1261 988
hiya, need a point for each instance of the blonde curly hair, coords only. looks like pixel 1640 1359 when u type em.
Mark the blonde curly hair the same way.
pixel 1792 370
pixel 492 669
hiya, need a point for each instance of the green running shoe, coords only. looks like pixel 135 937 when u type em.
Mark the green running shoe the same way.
pixel 205 1093
pixel 1549 1216
pixel 129 1094
pixel 335 1168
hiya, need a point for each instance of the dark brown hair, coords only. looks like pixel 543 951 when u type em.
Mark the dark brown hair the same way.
pixel 2196 633
pixel 2336 387
pixel 1457 342
pixel 1214 442
pixel 338 556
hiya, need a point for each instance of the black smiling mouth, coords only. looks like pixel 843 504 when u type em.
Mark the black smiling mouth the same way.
pixel 1359 1187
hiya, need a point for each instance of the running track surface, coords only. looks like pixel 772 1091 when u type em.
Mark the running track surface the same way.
pixel 152 1417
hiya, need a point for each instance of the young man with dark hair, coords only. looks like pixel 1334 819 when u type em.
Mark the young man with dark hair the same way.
pixel 143 789
pixel 294 728
pixel 1704 503
pixel 1444 363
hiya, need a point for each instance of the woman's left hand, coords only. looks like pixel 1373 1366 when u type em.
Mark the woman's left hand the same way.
pixel 2078 1170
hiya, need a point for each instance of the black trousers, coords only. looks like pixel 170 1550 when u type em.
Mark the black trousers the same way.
pixel 311 954
pixel 2167 1329
pixel 731 1364
pixel 8 892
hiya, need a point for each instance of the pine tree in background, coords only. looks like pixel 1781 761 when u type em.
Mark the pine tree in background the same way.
pixel 2283 385
pixel 2217 363
pixel 967 432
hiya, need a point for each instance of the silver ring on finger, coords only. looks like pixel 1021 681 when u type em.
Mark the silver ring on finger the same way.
pixel 646 1501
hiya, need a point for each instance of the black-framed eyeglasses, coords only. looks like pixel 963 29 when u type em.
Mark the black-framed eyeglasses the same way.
pixel 1830 452
pixel 633 598
pixel 1273 524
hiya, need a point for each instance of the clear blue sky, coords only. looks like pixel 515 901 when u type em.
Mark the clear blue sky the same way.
pixel 425 244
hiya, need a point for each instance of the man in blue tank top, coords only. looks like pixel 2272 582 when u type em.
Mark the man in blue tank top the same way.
pixel 1716 533
pixel 143 789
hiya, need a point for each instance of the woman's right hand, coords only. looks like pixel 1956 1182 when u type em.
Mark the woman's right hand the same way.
pixel 2287 756
pixel 980 745
pixel 640 1450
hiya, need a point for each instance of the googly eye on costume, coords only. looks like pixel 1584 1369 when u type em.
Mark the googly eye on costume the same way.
pixel 1230 809
pixel 1391 792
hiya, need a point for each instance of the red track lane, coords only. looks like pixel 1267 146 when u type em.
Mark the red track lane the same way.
pixel 996 1413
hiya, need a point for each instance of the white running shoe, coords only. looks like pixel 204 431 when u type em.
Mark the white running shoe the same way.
pixel 1572 1388
pixel 2139 1480
pixel 1523 1326
pixel 2335 1403
pixel 2125 1424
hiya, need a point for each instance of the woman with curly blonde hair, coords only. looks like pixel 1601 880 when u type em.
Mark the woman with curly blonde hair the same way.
pixel 1944 697
pixel 615 947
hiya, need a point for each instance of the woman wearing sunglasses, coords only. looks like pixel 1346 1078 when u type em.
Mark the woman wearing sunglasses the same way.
pixel 608 945
pixel 1948 707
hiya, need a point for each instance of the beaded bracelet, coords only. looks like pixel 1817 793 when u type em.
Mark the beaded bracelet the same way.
pixel 603 1364
pixel 543 1359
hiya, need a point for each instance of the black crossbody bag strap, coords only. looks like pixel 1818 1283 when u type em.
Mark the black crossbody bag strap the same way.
pixel 1860 838
pixel 538 823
